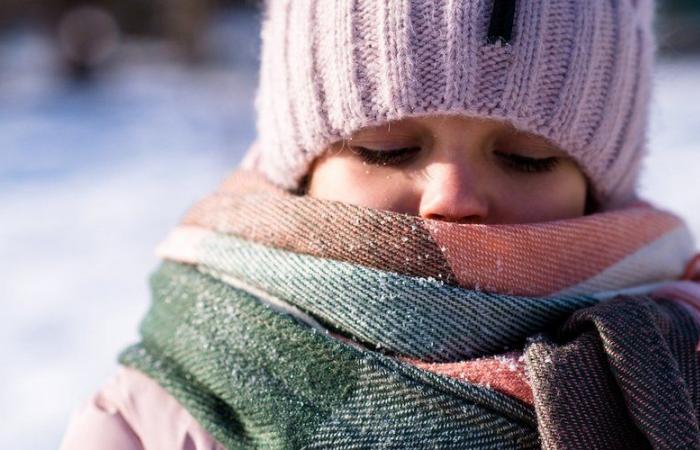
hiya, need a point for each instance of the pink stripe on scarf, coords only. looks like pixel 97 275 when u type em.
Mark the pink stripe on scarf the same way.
pixel 541 259
pixel 504 373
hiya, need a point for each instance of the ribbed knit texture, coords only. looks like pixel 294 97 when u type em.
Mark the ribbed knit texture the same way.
pixel 574 71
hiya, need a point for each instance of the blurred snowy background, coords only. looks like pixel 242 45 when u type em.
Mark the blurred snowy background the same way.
pixel 113 120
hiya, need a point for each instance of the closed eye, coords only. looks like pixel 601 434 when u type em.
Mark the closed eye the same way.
pixel 526 164
pixel 382 157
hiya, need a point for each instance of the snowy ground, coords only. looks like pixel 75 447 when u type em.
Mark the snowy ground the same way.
pixel 90 180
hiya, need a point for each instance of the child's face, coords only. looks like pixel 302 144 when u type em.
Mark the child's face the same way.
pixel 452 168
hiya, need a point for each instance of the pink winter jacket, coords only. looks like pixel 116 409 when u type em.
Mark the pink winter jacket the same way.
pixel 132 412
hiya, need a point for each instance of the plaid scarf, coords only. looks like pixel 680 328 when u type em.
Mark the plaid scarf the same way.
pixel 282 321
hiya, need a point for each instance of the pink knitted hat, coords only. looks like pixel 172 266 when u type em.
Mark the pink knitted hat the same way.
pixel 574 71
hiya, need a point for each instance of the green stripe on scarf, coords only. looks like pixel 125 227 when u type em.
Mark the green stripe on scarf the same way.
pixel 411 316
pixel 256 378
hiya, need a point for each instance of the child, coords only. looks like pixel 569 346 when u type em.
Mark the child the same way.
pixel 435 242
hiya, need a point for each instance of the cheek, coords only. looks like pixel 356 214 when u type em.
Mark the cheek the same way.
pixel 555 196
pixel 344 179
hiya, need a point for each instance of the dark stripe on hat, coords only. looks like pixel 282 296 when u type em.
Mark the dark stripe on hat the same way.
pixel 501 26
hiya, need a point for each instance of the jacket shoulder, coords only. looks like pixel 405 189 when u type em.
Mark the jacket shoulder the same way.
pixel 133 412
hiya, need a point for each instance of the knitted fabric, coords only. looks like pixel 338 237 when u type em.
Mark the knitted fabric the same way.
pixel 290 322
pixel 599 252
pixel 574 71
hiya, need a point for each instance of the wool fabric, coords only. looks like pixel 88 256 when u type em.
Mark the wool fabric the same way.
pixel 576 72
pixel 285 321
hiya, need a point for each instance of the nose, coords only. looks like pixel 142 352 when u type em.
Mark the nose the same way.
pixel 452 193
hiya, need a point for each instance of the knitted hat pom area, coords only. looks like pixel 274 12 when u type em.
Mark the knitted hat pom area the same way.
pixel 576 72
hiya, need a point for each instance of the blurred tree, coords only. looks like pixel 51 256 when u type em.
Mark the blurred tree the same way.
pixel 679 5
pixel 180 21
pixel 87 37
pixel 133 16
pixel 16 11
pixel 678 26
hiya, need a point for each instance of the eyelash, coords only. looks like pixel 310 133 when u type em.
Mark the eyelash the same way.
pixel 526 164
pixel 512 161
pixel 385 157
